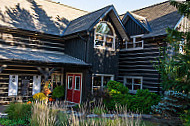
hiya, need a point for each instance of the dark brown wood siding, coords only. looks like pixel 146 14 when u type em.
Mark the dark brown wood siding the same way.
pixel 141 63
pixel 22 70
pixel 16 39
pixel 133 28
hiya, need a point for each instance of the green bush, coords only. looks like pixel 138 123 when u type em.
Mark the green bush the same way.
pixel 8 122
pixel 19 111
pixel 185 117
pixel 59 92
pixel 140 102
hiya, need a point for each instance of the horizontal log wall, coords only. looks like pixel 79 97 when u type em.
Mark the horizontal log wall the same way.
pixel 21 71
pixel 141 63
pixel 13 39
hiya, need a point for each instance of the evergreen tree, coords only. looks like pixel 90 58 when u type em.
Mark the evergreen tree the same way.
pixel 174 66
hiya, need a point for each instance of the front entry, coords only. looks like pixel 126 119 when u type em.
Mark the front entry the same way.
pixel 74 90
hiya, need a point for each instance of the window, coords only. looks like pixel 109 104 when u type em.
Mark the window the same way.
pixel 133 83
pixel 181 47
pixel 104 36
pixel 70 82
pixel 135 43
pixel 99 81
pixel 77 82
pixel 56 80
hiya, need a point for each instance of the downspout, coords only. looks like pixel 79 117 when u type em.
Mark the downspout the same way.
pixel 86 45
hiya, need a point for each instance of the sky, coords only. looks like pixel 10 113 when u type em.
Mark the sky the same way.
pixel 121 5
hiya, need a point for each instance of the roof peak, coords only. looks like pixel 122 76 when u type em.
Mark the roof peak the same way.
pixel 65 5
pixel 151 6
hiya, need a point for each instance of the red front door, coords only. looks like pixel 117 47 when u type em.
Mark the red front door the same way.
pixel 74 87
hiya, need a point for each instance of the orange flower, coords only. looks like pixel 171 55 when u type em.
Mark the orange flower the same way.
pixel 29 102
pixel 50 99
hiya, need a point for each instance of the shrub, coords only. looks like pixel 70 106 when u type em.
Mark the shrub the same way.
pixel 185 117
pixel 19 111
pixel 140 102
pixel 172 104
pixel 59 92
pixel 8 122
pixel 39 96
pixel 99 110
pixel 43 115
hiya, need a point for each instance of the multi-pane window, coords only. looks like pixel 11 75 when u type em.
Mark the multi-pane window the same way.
pixel 133 83
pixel 56 80
pixel 104 36
pixel 100 81
pixel 135 43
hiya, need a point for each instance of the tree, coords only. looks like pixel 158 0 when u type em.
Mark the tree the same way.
pixel 174 66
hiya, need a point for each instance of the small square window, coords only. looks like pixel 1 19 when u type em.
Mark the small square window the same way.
pixel 135 43
pixel 133 83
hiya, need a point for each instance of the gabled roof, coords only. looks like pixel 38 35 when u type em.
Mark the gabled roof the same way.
pixel 160 16
pixel 37 15
pixel 88 21
pixel 38 56
pixel 141 21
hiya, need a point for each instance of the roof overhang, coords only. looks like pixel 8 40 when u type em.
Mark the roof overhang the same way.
pixel 39 56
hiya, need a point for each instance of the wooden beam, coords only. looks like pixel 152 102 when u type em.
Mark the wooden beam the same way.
pixel 2 68
pixel 46 72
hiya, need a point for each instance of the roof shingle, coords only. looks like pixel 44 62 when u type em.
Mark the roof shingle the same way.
pixel 37 15
pixel 84 22
pixel 38 56
pixel 159 16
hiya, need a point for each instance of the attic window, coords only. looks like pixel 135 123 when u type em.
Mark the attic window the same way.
pixel 135 43
pixel 104 36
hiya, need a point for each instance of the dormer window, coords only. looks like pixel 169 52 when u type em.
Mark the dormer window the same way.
pixel 104 36
pixel 135 43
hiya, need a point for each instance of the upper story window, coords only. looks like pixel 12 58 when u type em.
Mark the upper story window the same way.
pixel 135 43
pixel 181 47
pixel 104 36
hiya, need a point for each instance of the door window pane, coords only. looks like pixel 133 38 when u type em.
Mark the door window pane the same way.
pixel 77 83
pixel 70 82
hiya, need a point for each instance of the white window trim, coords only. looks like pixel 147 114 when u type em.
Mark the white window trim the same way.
pixel 134 43
pixel 102 80
pixel 79 83
pixel 104 35
pixel 133 77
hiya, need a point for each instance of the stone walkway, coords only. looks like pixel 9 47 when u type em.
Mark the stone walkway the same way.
pixel 78 114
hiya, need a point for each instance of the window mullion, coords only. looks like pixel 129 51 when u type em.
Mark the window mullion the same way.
pixel 132 84
pixel 134 40
pixel 102 82
pixel 104 43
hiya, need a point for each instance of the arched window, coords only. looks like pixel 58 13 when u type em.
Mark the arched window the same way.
pixel 104 36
